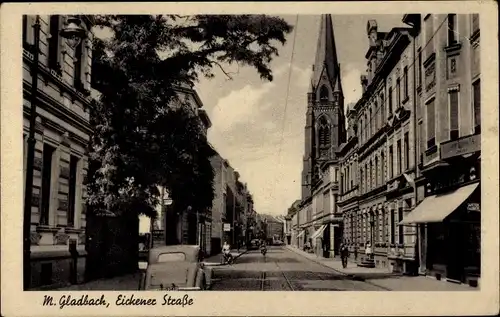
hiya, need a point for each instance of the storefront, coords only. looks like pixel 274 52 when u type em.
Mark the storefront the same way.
pixel 450 232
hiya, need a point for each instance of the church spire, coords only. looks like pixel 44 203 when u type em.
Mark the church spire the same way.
pixel 326 53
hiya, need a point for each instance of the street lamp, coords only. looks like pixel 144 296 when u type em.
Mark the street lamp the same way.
pixel 74 33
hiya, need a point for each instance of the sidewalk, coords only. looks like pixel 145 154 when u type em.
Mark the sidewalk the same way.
pixel 128 282
pixel 382 278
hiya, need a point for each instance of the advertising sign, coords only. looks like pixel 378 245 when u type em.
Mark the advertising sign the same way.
pixel 227 227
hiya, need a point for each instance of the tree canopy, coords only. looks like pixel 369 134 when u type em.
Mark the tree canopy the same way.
pixel 145 133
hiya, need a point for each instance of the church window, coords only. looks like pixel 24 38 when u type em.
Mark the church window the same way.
pixel 323 93
pixel 324 133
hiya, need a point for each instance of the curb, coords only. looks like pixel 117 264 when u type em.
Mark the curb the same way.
pixel 349 275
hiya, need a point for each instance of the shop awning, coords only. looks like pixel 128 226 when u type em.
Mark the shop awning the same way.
pixel 318 232
pixel 300 234
pixel 436 208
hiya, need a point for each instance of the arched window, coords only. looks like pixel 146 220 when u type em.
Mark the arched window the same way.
pixel 324 133
pixel 323 93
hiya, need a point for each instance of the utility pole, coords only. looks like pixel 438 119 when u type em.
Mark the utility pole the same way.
pixel 28 195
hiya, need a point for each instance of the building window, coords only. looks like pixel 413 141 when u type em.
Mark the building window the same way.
pixel 347 179
pixel 382 109
pixel 405 81
pixel 368 175
pixel 431 127
pixel 390 160
pixel 371 176
pixel 407 150
pixel 398 155
pixel 393 223
pixel 401 228
pixel 476 90
pixel 419 67
pixel 367 126
pixel 390 101
pixel 398 93
pixel 53 42
pixel 78 64
pixel 453 104
pixel 360 129
pixel 429 35
pixel 475 23
pixel 421 138
pixel 361 187
pixel 452 29
pixel 377 115
pixel 382 167
pixel 48 154
pixel 324 133
pixel 376 172
pixel 370 124
pixel 73 164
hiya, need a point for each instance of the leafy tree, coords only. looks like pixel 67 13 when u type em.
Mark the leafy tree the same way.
pixel 145 135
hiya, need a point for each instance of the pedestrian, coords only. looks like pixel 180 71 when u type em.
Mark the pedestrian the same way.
pixel 368 250
pixel 344 254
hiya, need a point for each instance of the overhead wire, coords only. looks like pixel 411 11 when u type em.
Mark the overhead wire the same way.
pixel 283 121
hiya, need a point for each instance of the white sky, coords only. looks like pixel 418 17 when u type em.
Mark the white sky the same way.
pixel 247 113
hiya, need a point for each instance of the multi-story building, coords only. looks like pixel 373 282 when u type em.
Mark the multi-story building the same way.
pixel 324 133
pixel 410 165
pixel 62 133
pixel 292 214
pixel 449 146
pixel 188 226
pixel 378 163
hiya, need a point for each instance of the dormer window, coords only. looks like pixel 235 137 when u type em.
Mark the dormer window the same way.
pixel 323 94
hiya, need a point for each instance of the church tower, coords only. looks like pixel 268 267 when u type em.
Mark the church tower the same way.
pixel 325 122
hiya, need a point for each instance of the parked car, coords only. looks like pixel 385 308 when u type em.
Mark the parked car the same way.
pixel 176 267
pixel 254 244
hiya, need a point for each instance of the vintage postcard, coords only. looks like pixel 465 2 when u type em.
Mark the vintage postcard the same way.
pixel 291 158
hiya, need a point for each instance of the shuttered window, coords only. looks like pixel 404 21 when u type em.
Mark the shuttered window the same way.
pixel 405 81
pixel 453 99
pixel 390 101
pixel 476 87
pixel 431 124
pixel 407 150
pixel 390 167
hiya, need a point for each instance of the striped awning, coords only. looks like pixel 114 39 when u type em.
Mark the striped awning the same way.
pixel 437 207
pixel 318 232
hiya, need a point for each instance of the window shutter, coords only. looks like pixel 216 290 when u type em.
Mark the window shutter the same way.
pixel 477 103
pixel 431 132
pixel 453 112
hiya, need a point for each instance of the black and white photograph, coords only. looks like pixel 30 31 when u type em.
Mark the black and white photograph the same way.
pixel 170 156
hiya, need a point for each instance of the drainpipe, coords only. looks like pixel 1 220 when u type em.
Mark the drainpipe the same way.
pixel 414 34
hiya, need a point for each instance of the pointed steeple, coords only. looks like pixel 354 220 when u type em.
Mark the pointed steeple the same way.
pixel 326 52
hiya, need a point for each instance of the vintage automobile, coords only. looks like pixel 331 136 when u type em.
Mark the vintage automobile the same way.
pixel 175 267
pixel 254 244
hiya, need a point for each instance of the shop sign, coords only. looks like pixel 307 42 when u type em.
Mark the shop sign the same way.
pixel 473 207
pixel 227 227
pixel 461 146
